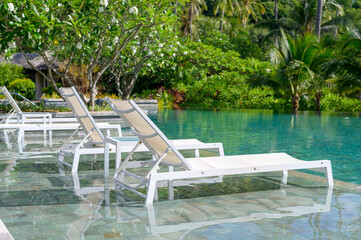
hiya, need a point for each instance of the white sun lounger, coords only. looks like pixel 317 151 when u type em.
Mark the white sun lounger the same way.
pixel 166 154
pixel 22 129
pixel 93 143
pixel 23 118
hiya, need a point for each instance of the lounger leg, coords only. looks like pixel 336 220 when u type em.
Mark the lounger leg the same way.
pixel 329 177
pixel 60 166
pixel 220 149
pixel 51 137
pixel 20 135
pixel 74 168
pixel 285 176
pixel 170 186
pixel 196 153
pixel 151 190
pixel 6 136
pixel 106 161
pixel 118 155
pixel 76 181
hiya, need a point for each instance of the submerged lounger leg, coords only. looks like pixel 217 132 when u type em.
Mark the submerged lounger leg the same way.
pixel 285 176
pixel 152 185
pixel 74 168
pixel 329 176
pixel 106 161
pixel 170 186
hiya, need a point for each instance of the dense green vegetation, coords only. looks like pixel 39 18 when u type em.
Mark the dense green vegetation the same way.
pixel 283 55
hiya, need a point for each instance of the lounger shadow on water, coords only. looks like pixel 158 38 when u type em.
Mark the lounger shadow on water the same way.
pixel 177 167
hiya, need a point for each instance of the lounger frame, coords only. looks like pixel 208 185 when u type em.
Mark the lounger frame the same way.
pixel 152 177
pixel 93 141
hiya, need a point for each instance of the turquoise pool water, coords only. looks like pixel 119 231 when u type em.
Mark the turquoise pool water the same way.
pixel 306 135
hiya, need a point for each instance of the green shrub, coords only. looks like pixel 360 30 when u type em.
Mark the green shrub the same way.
pixel 229 90
pixel 24 86
pixel 334 102
pixel 9 72
pixel 50 90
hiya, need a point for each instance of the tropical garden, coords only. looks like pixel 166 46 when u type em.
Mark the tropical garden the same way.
pixel 256 54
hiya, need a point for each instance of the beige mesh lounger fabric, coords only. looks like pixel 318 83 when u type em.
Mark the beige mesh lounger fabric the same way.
pixel 93 142
pixel 24 118
pixel 167 154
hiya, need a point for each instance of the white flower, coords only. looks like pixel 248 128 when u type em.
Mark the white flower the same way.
pixel 101 9
pixel 148 64
pixel 46 8
pixel 133 10
pixel 60 5
pixel 115 40
pixel 174 54
pixel 12 45
pixel 160 45
pixel 114 20
pixel 161 55
pixel 79 45
pixel 23 15
pixel 134 49
pixel 185 53
pixel 104 3
pixel 177 43
pixel 173 68
pixel 11 7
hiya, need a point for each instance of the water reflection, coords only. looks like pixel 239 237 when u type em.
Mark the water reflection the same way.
pixel 191 214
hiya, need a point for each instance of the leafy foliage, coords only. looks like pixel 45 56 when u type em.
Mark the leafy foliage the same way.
pixel 10 72
pixel 24 86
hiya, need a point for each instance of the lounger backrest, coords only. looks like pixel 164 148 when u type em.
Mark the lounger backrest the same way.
pixel 11 100
pixel 82 114
pixel 147 131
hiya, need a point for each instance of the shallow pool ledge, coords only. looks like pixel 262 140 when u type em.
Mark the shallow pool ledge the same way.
pixel 4 233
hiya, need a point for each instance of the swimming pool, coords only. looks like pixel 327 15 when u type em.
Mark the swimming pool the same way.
pixel 40 201
pixel 306 135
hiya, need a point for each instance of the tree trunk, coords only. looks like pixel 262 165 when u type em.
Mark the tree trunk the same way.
pixel 276 10
pixel 93 94
pixel 190 21
pixel 318 100
pixel 221 25
pixel 295 102
pixel 318 18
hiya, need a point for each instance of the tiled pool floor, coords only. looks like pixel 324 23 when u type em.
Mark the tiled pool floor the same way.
pixel 39 201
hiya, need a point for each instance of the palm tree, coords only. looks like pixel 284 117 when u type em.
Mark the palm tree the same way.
pixel 347 64
pixel 294 57
pixel 194 7
pixel 309 15
pixel 318 18
pixel 248 8
pixel 321 76
pixel 223 6
pixel 329 5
